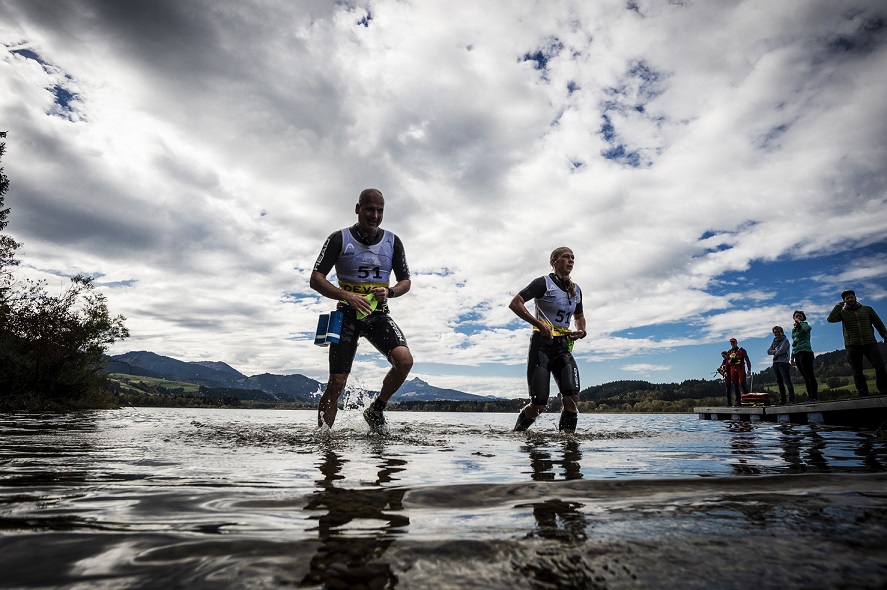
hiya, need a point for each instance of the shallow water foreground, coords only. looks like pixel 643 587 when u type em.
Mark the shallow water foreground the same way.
pixel 148 498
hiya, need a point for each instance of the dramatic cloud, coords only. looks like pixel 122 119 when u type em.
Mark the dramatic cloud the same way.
pixel 713 166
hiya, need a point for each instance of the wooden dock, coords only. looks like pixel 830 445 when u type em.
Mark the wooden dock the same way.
pixel 864 412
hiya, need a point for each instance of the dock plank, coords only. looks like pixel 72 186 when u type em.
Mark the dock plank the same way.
pixel 862 411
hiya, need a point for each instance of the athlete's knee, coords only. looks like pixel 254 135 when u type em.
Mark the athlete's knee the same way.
pixel 534 409
pixel 401 359
pixel 571 403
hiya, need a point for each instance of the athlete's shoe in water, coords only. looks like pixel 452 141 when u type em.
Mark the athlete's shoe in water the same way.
pixel 568 422
pixel 376 419
pixel 523 422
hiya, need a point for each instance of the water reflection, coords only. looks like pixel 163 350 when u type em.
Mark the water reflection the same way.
pixel 869 454
pixel 213 499
pixel 37 450
pixel 816 450
pixel 790 441
pixel 558 520
pixel 743 446
pixel 544 465
pixel 803 448
pixel 357 528
pixel 555 518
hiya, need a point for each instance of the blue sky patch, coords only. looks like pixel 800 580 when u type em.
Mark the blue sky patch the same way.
pixel 648 76
pixel 119 284
pixel 63 97
pixel 365 21
pixel 441 272
pixel 623 156
pixel 469 323
pixel 293 297
pixel 640 85
pixel 541 56
pixel 27 53
pixel 607 131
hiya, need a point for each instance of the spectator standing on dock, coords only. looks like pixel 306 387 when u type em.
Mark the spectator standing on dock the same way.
pixel 802 354
pixel 738 363
pixel 781 351
pixel 860 322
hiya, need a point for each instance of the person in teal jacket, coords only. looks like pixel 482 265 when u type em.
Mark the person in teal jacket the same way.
pixel 802 354
pixel 860 323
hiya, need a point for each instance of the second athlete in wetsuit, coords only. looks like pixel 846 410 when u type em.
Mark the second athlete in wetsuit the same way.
pixel 558 301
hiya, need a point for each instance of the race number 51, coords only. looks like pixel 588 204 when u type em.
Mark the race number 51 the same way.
pixel 364 272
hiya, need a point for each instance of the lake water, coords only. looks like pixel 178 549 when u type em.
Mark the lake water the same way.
pixel 199 498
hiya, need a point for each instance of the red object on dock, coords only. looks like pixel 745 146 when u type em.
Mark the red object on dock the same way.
pixel 755 399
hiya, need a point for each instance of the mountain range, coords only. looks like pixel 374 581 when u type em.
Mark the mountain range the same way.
pixel 220 375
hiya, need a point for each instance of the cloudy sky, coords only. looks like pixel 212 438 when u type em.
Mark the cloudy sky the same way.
pixel 714 166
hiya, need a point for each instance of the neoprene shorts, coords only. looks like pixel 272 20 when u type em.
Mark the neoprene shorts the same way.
pixel 378 328
pixel 551 358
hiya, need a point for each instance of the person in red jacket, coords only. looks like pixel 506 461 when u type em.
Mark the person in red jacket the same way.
pixel 724 371
pixel 737 365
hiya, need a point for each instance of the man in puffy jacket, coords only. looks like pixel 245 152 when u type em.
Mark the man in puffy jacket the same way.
pixel 860 323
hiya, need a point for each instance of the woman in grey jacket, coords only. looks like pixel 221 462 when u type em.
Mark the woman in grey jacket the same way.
pixel 781 351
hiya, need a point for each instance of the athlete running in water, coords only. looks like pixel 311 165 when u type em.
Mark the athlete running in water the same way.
pixel 558 300
pixel 364 255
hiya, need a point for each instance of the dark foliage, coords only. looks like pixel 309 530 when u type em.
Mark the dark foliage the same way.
pixel 830 368
pixel 8 246
pixel 619 392
pixel 178 400
pixel 51 346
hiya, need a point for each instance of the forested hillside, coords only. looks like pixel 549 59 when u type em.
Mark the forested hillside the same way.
pixel 832 372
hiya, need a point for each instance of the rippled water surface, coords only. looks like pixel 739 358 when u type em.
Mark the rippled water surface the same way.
pixel 196 498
